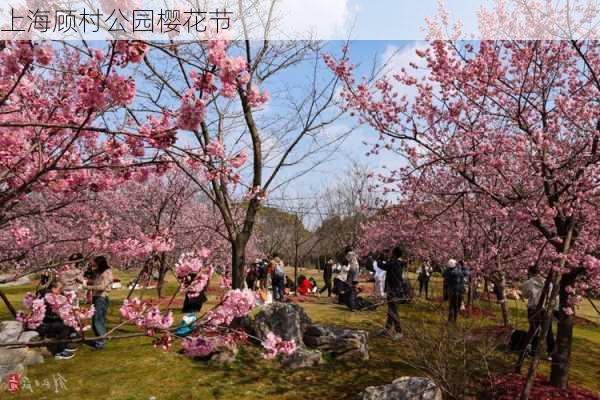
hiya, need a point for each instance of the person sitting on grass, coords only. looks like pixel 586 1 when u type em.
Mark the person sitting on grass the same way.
pixel 191 307
pixel 314 288
pixel 53 327
pixel 304 286
pixel 355 302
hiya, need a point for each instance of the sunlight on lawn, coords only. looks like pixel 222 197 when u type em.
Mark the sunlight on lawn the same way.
pixel 133 369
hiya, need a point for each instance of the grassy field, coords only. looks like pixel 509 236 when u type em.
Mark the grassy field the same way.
pixel 133 369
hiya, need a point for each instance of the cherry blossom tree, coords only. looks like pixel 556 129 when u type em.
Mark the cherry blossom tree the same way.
pixel 207 107
pixel 518 123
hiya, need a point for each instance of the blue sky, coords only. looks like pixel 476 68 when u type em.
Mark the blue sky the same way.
pixel 372 19
pixel 363 53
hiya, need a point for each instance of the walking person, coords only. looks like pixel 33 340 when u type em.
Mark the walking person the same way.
pixel 327 277
pixel 531 290
pixel 394 284
pixel 101 285
pixel 454 288
pixel 423 275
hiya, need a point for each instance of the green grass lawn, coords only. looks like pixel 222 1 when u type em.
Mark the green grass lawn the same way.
pixel 133 369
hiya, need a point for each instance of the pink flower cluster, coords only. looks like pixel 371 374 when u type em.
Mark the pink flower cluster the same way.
pixel 98 92
pixel 205 83
pixel 233 71
pixel 203 346
pixel 215 149
pixel 191 112
pixel 256 193
pixel 130 51
pixel 43 54
pixel 255 98
pixel 145 316
pixel 62 305
pixel 236 303
pixel 160 242
pixel 22 235
pixel 36 311
pixel 160 132
pixel 194 265
pixel 275 345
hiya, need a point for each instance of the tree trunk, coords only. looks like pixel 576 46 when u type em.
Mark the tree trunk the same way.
pixel 8 304
pixel 561 359
pixel 238 262
pixel 162 273
pixel 547 321
pixel 500 284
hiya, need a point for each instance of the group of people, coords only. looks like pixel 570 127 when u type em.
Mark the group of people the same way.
pixel 268 272
pixel 92 285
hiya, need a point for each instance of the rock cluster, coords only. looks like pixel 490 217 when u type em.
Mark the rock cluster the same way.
pixel 290 322
pixel 17 360
pixel 405 388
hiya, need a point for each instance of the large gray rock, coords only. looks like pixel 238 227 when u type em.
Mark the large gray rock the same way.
pixel 286 320
pixel 10 357
pixel 29 336
pixel 405 388
pixel 10 331
pixel 24 280
pixel 16 359
pixel 344 344
pixel 302 358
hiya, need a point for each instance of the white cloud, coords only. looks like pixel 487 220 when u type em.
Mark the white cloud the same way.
pixel 324 19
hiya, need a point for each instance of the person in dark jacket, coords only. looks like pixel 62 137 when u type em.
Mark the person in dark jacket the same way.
pixel 252 275
pixel 193 305
pixel 394 284
pixel 53 326
pixel 356 302
pixel 455 277
pixel 327 277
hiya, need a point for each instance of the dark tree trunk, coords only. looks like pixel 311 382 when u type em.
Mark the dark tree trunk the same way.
pixel 8 304
pixel 499 285
pixel 486 288
pixel 162 273
pixel 238 262
pixel 561 359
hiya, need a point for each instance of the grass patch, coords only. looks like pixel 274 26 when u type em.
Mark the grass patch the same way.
pixel 133 369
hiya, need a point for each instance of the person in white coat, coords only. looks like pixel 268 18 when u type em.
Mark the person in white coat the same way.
pixel 379 277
